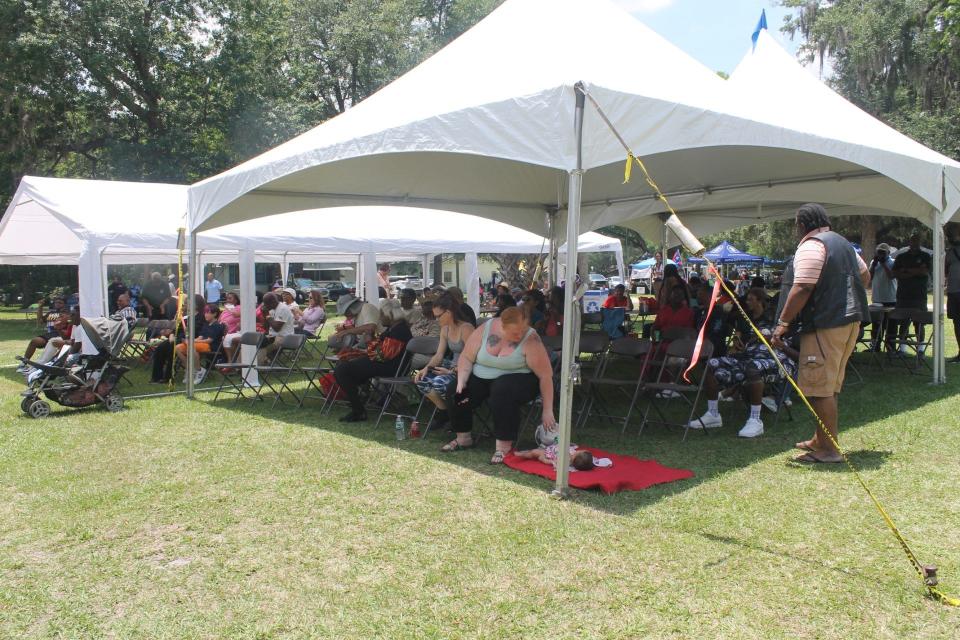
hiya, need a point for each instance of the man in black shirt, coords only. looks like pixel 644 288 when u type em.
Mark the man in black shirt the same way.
pixel 912 271
pixel 153 294
pixel 114 291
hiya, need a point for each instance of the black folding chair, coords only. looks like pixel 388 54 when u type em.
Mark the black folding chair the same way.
pixel 669 378
pixel 623 371
pixel 276 375
pixel 390 386
pixel 236 373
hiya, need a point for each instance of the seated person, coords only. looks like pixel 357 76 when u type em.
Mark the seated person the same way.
pixel 125 311
pixel 362 319
pixel 719 328
pixel 288 297
pixel 466 310
pixel 408 301
pixel 207 340
pixel 555 309
pixel 163 352
pixel 426 325
pixel 279 321
pixel 504 302
pixel 314 315
pixel 55 344
pixel 437 377
pixel 382 358
pixel 672 280
pixel 675 314
pixel 579 459
pixel 749 365
pixel 506 364
pixel 230 318
pixel 534 306
pixel 618 299
pixel 57 325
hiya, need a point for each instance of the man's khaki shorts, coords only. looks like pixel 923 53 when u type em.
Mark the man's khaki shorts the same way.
pixel 823 359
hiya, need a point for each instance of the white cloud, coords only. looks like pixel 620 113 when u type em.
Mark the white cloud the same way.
pixel 644 6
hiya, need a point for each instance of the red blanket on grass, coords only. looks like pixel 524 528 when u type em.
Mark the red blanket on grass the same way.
pixel 627 472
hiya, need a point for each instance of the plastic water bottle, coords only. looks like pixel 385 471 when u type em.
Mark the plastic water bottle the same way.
pixel 400 428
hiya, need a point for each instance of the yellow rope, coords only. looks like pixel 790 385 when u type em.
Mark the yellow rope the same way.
pixel 181 298
pixel 927 574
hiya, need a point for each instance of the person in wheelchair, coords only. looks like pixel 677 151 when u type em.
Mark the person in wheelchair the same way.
pixel 748 366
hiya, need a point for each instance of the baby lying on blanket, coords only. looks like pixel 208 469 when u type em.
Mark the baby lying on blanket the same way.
pixel 580 459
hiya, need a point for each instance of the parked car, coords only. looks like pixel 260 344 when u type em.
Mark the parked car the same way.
pixel 598 281
pixel 613 281
pixel 333 289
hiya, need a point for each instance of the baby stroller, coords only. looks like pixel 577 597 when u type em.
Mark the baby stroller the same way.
pixel 80 380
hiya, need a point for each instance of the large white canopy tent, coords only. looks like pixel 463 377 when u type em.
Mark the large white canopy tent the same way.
pixel 94 223
pixel 494 125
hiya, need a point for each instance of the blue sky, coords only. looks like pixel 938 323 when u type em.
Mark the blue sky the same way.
pixel 715 32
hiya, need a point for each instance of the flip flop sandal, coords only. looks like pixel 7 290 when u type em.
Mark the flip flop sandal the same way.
pixel 498 457
pixel 454 445
pixel 804 446
pixel 809 458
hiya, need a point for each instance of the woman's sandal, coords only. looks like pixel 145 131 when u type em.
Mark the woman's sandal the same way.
pixel 806 445
pixel 498 457
pixel 811 458
pixel 455 445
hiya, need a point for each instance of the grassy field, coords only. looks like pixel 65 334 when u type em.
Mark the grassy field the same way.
pixel 189 519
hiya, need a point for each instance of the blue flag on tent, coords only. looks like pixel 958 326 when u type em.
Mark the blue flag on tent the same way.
pixel 677 258
pixel 760 27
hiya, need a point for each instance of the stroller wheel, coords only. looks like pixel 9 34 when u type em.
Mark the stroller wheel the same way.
pixel 25 404
pixel 113 402
pixel 39 409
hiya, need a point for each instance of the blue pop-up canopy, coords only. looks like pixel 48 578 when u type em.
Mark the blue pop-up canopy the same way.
pixel 726 253
pixel 644 264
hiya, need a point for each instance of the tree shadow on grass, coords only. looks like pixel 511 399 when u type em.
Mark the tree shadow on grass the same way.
pixel 709 454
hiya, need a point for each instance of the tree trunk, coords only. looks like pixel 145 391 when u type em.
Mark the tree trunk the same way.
pixel 437 270
pixel 868 236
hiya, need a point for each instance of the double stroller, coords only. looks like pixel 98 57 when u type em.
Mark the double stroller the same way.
pixel 80 380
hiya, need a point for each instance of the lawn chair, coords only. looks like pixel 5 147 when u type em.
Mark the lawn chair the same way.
pixel 276 375
pixel 623 371
pixel 915 348
pixel 676 360
pixel 312 344
pixel 421 345
pixel 236 373
pixel 138 340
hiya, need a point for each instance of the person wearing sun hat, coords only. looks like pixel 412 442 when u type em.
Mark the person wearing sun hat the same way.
pixel 883 289
pixel 362 318
pixel 289 297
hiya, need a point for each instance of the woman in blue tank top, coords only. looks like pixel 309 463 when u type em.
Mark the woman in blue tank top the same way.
pixel 506 364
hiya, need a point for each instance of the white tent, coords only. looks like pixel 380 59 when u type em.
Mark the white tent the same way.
pixel 94 223
pixel 495 124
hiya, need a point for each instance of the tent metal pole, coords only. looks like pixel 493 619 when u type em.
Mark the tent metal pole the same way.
pixel 192 309
pixel 552 238
pixel 569 372
pixel 939 346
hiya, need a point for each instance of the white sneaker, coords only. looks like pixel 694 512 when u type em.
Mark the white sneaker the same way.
pixel 24 368
pixel 668 393
pixel 751 429
pixel 770 403
pixel 787 402
pixel 707 421
pixel 201 374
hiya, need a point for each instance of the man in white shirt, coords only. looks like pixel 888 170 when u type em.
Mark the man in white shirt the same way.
pixel 408 298
pixel 279 321
pixel 214 289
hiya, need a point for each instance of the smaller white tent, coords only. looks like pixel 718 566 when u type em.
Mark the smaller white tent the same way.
pixel 95 223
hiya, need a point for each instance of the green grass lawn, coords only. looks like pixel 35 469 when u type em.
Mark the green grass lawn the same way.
pixel 189 519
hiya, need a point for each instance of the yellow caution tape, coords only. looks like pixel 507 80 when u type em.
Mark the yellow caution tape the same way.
pixel 927 574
